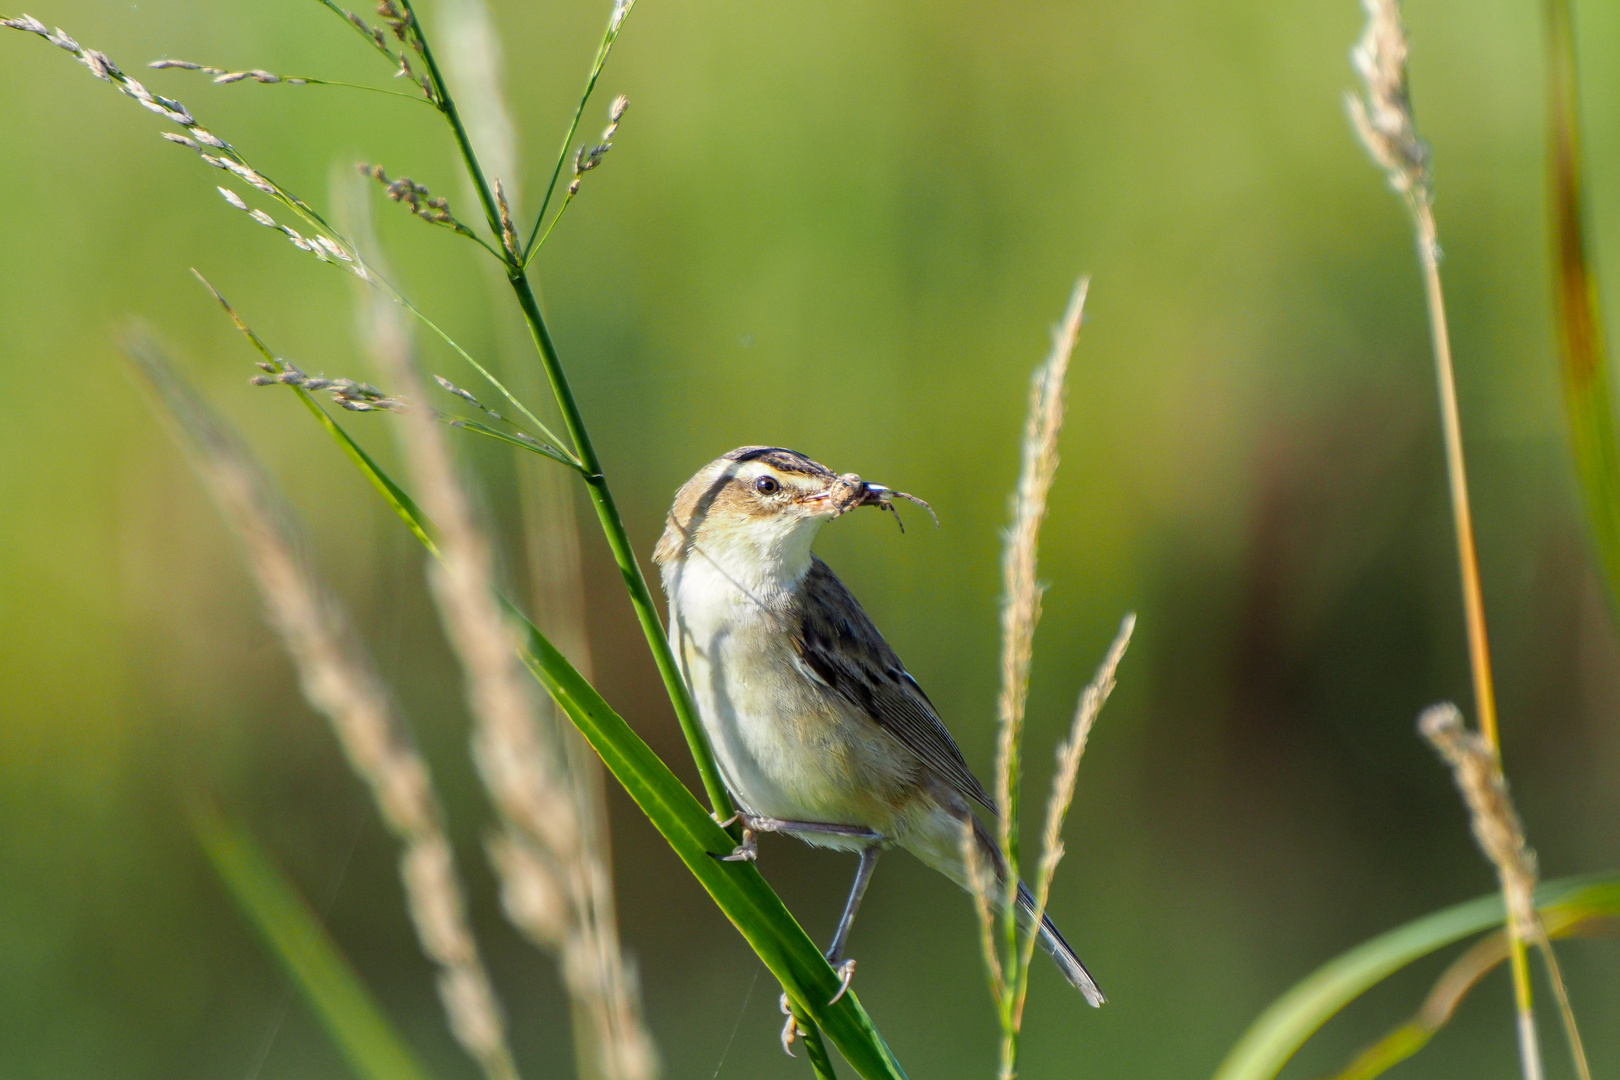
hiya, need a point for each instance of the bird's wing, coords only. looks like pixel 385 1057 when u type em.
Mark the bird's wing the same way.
pixel 836 640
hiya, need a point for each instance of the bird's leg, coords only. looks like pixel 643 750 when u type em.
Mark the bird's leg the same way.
pixel 748 850
pixel 863 877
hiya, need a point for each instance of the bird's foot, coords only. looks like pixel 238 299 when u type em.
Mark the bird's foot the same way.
pixel 790 1030
pixel 846 975
pixel 747 851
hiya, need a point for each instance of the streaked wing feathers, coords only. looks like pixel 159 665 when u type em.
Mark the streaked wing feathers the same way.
pixel 836 640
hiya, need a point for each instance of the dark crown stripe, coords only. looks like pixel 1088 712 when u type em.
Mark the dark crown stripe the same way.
pixel 781 458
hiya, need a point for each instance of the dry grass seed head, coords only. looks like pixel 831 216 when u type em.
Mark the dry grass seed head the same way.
pixel 338 678
pixel 1383 118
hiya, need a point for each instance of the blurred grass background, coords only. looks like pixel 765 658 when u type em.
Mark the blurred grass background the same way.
pixel 843 227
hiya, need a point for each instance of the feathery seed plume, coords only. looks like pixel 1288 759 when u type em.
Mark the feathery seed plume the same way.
pixel 339 679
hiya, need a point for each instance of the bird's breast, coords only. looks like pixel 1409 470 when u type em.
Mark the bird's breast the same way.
pixel 787 746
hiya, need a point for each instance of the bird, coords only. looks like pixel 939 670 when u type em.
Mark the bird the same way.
pixel 817 728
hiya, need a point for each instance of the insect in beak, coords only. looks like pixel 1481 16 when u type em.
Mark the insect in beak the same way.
pixel 883 498
pixel 850 492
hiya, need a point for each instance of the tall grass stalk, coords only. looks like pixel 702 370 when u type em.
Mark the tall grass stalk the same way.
pixel 339 679
pixel 1385 124
pixel 1008 944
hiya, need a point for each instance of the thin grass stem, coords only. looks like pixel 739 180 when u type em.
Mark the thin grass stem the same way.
pixel 1386 126
pixel 1479 651
pixel 621 9
pixel 814 1048
pixel 1479 655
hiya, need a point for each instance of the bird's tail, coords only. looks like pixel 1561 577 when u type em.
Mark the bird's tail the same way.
pixel 1052 943
pixel 1048 937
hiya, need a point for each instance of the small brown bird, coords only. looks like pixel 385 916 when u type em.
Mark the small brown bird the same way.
pixel 818 729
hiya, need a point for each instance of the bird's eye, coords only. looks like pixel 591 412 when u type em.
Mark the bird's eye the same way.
pixel 767 485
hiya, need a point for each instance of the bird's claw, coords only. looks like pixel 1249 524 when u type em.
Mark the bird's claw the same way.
pixel 747 851
pixel 790 1030
pixel 846 975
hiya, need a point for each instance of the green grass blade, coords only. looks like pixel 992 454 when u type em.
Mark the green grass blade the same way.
pixel 295 935
pixel 1290 1020
pixel 737 888
pixel 1587 397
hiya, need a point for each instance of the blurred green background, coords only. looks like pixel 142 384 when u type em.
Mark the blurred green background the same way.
pixel 844 227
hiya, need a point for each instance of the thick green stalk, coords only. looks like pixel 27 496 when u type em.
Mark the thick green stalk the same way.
pixel 635 582
pixel 1580 318
pixel 814 1049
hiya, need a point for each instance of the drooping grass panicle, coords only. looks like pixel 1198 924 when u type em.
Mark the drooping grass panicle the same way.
pixel 339 679
pixel 363 397
pixel 326 244
pixel 225 77
pixel 418 200
pixel 351 395
pixel 1497 826
pixel 212 149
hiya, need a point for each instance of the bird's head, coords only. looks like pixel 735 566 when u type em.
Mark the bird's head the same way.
pixel 763 505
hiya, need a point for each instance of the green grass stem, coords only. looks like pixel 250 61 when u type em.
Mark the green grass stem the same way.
pixel 317 967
